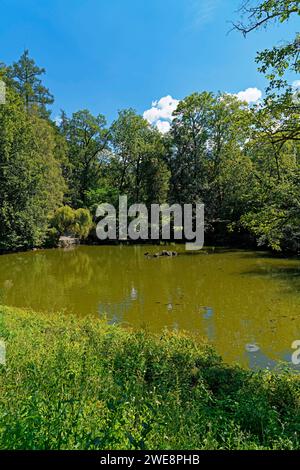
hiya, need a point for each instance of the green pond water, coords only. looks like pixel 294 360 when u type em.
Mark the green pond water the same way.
pixel 246 303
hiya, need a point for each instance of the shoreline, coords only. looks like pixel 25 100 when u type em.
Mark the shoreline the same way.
pixel 215 248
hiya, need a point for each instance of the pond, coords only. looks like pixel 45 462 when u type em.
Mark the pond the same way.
pixel 246 303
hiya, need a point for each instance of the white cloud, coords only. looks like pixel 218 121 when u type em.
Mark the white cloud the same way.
pixel 163 126
pixel 296 84
pixel 250 95
pixel 151 115
pixel 160 114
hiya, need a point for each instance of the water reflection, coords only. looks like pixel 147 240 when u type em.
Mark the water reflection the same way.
pixel 238 300
pixel 209 327
pixel 252 348
pixel 259 360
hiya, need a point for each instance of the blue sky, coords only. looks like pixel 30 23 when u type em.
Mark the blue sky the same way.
pixel 106 55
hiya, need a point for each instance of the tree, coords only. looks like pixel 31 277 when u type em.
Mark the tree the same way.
pixel 275 63
pixel 67 221
pixel 274 149
pixel 82 223
pixel 31 183
pixel 280 58
pixel 273 197
pixel 189 134
pixel 263 12
pixel 24 76
pixel 208 135
pixel 87 140
pixel 137 159
pixel 276 220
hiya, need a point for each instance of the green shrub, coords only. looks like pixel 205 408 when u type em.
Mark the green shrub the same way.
pixel 82 223
pixel 68 221
pixel 73 383
pixel 52 238
pixel 63 220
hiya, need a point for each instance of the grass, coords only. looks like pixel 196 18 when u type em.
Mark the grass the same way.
pixel 72 383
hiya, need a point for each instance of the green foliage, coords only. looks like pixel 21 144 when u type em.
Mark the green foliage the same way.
pixel 67 221
pixel 87 141
pixel 24 77
pixel 282 58
pixel 138 166
pixel 52 238
pixel 206 157
pixel 103 195
pixel 242 162
pixel 63 220
pixel 276 220
pixel 81 384
pixel 31 181
pixel 82 223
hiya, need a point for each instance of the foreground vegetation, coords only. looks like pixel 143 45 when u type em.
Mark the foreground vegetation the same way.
pixel 82 384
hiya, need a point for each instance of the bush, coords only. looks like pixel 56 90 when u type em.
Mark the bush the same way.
pixel 73 383
pixel 82 223
pixel 52 238
pixel 68 221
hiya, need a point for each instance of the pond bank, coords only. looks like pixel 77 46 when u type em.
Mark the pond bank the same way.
pixel 72 383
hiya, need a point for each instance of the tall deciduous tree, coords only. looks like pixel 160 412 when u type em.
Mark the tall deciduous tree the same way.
pixel 87 139
pixel 207 139
pixel 138 151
